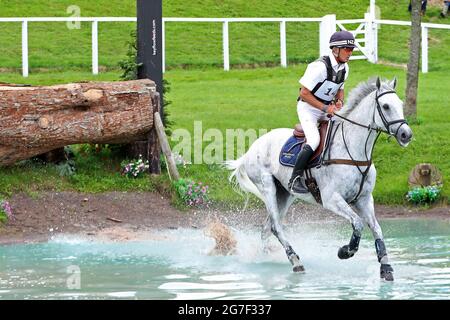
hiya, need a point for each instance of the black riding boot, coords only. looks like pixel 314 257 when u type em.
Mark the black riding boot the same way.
pixel 295 184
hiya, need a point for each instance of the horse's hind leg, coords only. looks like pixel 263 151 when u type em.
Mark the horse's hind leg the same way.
pixel 339 206
pixel 365 207
pixel 284 201
pixel 268 189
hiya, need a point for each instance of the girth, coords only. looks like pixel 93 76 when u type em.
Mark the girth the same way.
pixel 348 162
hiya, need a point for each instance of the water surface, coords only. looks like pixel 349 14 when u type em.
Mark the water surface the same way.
pixel 175 264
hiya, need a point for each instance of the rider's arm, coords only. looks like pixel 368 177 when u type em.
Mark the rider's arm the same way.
pixel 309 98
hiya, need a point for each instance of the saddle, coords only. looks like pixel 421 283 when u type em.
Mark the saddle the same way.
pixel 294 144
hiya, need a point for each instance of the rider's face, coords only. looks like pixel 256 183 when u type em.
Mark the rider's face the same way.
pixel 344 54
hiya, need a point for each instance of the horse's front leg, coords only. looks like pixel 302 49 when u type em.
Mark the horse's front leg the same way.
pixel 366 209
pixel 338 205
pixel 268 189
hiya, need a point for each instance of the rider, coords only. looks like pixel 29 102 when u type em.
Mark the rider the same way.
pixel 321 94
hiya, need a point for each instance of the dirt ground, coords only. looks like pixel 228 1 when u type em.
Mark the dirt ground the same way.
pixel 124 215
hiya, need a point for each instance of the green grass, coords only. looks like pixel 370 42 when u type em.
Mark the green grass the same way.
pixel 53 45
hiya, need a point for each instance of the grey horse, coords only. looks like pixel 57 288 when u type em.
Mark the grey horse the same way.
pixel 373 107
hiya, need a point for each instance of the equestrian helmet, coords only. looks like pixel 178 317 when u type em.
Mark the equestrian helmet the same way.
pixel 342 39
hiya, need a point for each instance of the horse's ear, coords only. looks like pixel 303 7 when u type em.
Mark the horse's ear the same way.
pixel 378 83
pixel 393 83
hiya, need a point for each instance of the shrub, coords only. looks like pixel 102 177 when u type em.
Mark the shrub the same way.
pixel 423 195
pixel 192 193
pixel 135 168
pixel 67 168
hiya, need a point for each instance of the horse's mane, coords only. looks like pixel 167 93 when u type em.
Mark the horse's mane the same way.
pixel 362 90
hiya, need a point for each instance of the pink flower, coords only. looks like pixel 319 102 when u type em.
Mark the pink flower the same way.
pixel 6 207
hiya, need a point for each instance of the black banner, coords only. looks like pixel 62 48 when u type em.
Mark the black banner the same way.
pixel 149 38
pixel 226 309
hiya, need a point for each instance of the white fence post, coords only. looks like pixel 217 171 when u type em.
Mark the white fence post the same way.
pixel 25 48
pixel 424 49
pixel 327 28
pixel 95 47
pixel 226 48
pixel 372 8
pixel 375 40
pixel 283 54
pixel 374 31
pixel 370 31
pixel 163 43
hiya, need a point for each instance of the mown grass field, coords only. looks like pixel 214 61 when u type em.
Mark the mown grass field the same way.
pixel 260 98
pixel 53 45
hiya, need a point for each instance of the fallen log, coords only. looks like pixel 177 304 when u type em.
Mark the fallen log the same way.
pixel 35 120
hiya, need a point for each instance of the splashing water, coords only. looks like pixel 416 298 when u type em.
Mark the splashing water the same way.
pixel 176 264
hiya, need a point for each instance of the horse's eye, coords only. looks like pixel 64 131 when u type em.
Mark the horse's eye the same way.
pixel 385 106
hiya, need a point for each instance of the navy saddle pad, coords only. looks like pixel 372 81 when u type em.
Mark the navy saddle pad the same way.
pixel 290 151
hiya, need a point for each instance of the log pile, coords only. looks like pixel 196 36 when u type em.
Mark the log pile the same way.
pixel 35 120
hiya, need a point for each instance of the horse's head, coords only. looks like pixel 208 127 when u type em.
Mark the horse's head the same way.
pixel 389 112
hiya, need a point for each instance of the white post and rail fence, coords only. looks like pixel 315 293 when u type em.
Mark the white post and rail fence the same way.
pixel 367 45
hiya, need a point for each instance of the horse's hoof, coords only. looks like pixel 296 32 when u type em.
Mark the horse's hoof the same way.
pixel 386 272
pixel 295 261
pixel 344 252
pixel 299 268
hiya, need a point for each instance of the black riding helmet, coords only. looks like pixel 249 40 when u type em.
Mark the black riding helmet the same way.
pixel 342 39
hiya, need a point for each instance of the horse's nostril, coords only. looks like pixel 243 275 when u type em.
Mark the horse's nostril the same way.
pixel 403 136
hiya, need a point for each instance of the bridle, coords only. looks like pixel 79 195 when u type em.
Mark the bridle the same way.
pixel 387 124
pixel 368 162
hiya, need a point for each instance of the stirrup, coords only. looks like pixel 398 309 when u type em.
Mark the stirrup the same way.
pixel 297 186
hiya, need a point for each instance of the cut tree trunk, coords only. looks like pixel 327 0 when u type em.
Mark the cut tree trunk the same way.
pixel 36 120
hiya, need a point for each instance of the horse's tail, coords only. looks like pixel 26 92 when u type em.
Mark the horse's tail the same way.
pixel 241 178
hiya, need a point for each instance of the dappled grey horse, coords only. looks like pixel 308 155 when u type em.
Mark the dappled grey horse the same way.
pixel 373 107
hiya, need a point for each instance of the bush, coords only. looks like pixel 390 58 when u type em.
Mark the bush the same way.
pixel 423 195
pixel 192 193
pixel 66 169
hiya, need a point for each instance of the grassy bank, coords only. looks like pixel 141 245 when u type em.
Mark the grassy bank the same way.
pixel 54 45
